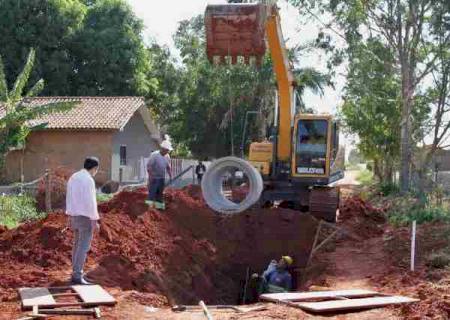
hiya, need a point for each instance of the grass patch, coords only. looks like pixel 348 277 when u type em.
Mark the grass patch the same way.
pixel 104 197
pixel 365 177
pixel 402 216
pixel 17 209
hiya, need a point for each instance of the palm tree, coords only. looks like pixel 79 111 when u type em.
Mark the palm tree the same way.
pixel 14 113
pixel 313 80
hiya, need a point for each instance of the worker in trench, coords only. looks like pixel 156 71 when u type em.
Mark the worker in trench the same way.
pixel 81 208
pixel 275 279
pixel 157 166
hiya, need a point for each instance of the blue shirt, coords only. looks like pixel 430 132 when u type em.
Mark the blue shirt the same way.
pixel 278 277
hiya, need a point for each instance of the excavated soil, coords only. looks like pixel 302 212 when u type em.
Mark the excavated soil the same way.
pixel 183 254
pixel 187 253
pixel 371 254
pixel 361 218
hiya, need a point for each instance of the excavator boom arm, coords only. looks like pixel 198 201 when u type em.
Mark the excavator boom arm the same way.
pixel 285 79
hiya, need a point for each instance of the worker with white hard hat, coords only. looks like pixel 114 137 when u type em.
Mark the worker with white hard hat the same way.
pixel 157 166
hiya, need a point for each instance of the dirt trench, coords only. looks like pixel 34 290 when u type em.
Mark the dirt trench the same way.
pixel 184 254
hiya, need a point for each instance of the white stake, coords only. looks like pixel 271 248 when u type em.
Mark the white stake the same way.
pixel 413 245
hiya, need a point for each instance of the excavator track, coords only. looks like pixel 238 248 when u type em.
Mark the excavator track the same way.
pixel 324 202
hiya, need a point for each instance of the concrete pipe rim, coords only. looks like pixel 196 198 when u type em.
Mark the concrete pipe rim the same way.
pixel 212 185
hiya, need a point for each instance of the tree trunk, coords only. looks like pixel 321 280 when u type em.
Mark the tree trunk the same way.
pixel 387 172
pixel 377 170
pixel 405 125
pixel 2 167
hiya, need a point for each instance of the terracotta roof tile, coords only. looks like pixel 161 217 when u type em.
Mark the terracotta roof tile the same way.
pixel 105 113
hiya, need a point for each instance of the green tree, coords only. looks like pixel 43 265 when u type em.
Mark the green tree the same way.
pixel 203 106
pixel 163 102
pixel 82 47
pixel 16 115
pixel 407 28
pixel 47 26
pixel 108 52
pixel 213 100
pixel 371 108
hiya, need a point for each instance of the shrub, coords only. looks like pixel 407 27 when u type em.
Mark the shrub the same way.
pixel 387 189
pixel 18 209
pixel 421 215
pixel 365 177
pixel 104 197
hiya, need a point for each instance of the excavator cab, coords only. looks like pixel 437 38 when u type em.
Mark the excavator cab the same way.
pixel 235 30
pixel 312 149
pixel 315 146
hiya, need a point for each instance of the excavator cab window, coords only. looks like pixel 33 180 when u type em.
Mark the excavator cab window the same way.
pixel 311 146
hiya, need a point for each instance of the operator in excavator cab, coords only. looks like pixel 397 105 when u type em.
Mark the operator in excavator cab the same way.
pixel 276 278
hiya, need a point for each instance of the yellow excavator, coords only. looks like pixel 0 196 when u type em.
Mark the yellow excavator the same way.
pixel 302 159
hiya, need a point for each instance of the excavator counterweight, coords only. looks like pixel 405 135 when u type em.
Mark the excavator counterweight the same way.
pixel 235 31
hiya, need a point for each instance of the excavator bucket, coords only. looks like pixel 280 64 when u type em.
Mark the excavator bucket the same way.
pixel 235 30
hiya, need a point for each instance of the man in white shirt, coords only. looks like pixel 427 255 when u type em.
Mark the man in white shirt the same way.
pixel 81 207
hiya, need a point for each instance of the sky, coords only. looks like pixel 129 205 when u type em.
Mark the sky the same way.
pixel 161 19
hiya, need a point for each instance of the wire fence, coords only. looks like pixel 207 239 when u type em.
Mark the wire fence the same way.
pixel 29 188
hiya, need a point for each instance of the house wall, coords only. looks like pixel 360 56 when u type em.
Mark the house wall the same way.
pixel 56 148
pixel 139 143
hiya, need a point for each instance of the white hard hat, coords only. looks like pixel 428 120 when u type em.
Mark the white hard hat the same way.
pixel 166 145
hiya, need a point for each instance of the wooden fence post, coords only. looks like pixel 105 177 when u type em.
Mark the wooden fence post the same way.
pixel 48 191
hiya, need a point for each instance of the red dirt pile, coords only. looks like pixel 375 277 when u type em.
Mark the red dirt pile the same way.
pixel 184 253
pixel 430 283
pixel 58 178
pixel 361 218
pixel 434 295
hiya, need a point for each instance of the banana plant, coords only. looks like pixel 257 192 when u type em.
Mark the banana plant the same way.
pixel 16 113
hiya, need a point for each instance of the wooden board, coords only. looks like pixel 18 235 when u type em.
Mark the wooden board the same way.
pixel 302 296
pixel 353 304
pixel 35 296
pixel 94 294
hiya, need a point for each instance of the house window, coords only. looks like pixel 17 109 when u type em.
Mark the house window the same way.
pixel 123 155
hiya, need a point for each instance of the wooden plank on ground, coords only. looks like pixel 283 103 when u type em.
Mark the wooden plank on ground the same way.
pixel 73 312
pixel 250 309
pixel 35 296
pixel 94 294
pixel 301 296
pixel 353 304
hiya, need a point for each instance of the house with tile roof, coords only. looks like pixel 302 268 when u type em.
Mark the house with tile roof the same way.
pixel 118 130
